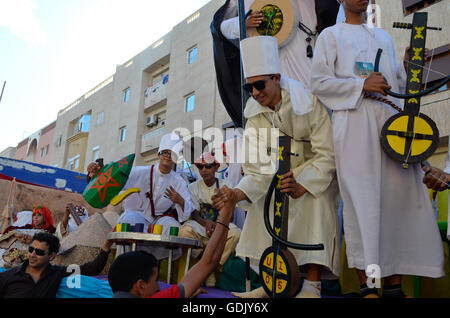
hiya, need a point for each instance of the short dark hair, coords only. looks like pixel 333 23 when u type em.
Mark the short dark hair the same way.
pixel 51 240
pixel 130 267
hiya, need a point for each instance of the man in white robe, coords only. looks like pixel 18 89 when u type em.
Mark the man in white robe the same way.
pixel 294 62
pixel 171 199
pixel 285 104
pixel 205 215
pixel 389 224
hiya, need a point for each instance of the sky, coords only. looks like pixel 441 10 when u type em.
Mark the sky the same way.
pixel 54 51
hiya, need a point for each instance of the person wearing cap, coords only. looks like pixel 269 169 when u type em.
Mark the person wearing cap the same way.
pixel 164 197
pixel 281 103
pixel 204 217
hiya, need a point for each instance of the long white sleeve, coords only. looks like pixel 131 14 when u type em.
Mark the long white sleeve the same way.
pixel 230 28
pixel 336 93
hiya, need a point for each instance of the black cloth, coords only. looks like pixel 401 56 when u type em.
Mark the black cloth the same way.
pixel 227 61
pixel 326 12
pixel 16 283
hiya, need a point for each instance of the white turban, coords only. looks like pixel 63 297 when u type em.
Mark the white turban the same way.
pixel 260 56
pixel 171 142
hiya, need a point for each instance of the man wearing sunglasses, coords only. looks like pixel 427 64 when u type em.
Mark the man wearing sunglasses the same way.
pixel 37 278
pixel 204 217
pixel 284 104
pixel 164 198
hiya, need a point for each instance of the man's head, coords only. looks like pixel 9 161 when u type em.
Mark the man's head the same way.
pixel 265 89
pixel 135 273
pixel 207 165
pixel 43 250
pixel 261 63
pixel 165 159
pixel 356 6
pixel 169 149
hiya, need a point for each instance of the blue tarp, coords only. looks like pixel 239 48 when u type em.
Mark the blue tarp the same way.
pixel 41 175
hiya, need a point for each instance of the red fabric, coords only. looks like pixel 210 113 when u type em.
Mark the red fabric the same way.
pixel 171 292
pixel 48 218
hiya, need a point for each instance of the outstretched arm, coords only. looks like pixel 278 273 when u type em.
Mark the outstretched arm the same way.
pixel 213 252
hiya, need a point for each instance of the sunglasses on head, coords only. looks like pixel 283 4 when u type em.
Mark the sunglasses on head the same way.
pixel 38 251
pixel 258 85
pixel 207 166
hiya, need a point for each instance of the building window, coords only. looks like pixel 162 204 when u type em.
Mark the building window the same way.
pixel 47 149
pixel 83 123
pixel 73 163
pixel 95 153
pixel 189 103
pixel 126 95
pixel 411 6
pixel 192 55
pixel 100 117
pixel 122 134
pixel 42 152
pixel 59 141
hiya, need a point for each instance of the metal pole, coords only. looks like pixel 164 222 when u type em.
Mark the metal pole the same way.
pixel 242 35
pixel 4 84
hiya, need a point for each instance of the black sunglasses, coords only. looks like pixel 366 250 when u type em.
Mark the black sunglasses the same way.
pixel 259 85
pixel 207 166
pixel 38 251
pixel 166 153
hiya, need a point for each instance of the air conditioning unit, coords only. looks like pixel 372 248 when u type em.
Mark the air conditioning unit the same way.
pixel 152 120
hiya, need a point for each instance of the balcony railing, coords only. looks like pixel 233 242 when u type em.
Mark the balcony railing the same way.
pixel 152 139
pixel 156 94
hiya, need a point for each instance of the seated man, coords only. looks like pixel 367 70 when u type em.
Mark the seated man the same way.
pixel 164 196
pixel 68 224
pixel 37 278
pixel 135 274
pixel 204 217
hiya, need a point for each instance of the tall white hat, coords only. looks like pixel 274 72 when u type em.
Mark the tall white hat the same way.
pixel 171 142
pixel 260 56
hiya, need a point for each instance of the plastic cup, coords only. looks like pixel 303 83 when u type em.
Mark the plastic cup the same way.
pixel 174 230
pixel 119 228
pixel 157 229
pixel 126 227
pixel 139 227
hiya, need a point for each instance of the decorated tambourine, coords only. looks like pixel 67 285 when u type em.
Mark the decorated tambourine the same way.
pixel 108 182
pixel 280 20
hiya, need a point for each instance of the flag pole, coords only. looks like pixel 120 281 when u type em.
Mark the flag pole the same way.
pixel 1 95
pixel 242 35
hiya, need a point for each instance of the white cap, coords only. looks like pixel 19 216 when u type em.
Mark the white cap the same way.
pixel 171 142
pixel 260 56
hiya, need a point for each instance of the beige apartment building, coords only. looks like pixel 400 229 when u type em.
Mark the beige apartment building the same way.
pixel 168 85
pixel 172 84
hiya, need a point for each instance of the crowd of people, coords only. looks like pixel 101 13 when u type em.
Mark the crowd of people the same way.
pixel 387 215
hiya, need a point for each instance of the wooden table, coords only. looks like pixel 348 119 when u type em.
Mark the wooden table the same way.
pixel 146 239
